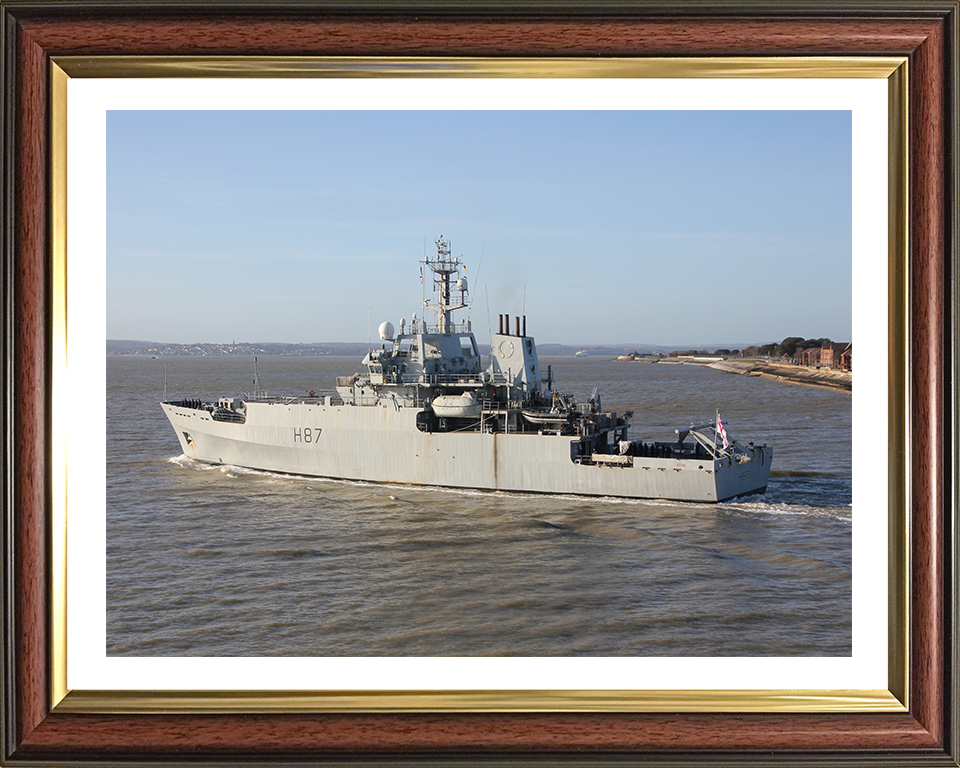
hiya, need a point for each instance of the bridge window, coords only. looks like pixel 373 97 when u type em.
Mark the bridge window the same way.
pixel 468 346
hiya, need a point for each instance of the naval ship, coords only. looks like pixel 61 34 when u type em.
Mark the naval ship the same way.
pixel 425 411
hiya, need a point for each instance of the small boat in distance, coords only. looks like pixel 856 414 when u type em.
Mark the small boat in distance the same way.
pixel 425 410
pixel 581 353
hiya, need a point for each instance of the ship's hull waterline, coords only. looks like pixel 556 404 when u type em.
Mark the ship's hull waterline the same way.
pixel 382 444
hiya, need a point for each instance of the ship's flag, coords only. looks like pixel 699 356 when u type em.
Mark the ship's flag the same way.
pixel 421 275
pixel 721 431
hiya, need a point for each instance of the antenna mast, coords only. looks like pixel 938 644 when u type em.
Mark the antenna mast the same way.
pixel 444 266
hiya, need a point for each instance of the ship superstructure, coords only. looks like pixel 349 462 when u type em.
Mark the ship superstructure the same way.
pixel 425 410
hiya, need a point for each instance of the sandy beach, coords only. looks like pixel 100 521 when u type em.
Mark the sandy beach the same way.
pixel 825 378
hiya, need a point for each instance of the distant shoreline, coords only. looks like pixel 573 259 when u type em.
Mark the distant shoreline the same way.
pixel 822 378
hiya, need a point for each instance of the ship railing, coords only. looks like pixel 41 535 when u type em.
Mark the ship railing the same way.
pixel 295 399
pixel 421 327
pixel 431 379
pixel 501 406
pixel 454 378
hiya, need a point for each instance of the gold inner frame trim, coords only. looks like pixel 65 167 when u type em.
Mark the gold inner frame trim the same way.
pixel 898 415
pixel 58 371
pixel 727 701
pixel 893 69
pixel 416 67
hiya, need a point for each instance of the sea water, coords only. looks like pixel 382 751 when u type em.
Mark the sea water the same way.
pixel 225 561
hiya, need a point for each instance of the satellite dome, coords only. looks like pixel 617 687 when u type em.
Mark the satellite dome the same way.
pixel 386 330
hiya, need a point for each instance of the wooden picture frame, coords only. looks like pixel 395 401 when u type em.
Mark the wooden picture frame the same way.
pixel 35 34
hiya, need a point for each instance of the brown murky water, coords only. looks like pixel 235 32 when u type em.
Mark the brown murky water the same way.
pixel 221 561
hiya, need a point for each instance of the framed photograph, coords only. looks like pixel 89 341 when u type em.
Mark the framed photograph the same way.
pixel 544 614
pixel 535 710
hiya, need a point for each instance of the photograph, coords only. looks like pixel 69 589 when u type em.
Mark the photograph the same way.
pixel 599 490
pixel 461 383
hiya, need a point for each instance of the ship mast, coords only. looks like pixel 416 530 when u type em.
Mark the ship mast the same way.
pixel 444 266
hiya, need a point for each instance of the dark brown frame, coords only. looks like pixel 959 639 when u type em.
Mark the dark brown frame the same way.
pixel 925 32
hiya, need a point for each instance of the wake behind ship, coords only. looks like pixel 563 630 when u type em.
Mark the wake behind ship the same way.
pixel 425 411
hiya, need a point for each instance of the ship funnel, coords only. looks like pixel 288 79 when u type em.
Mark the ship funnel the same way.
pixel 386 330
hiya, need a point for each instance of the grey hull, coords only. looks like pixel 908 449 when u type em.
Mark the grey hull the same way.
pixel 382 444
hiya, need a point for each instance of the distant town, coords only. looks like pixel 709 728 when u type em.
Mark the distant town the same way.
pixel 153 348
pixel 794 350
pixel 810 362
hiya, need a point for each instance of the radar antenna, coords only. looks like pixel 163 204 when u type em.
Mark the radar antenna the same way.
pixel 444 266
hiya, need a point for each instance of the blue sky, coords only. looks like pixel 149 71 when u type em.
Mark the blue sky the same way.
pixel 670 228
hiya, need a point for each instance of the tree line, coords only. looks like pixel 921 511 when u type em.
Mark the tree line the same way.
pixel 790 346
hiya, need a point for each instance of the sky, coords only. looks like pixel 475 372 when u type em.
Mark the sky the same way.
pixel 674 228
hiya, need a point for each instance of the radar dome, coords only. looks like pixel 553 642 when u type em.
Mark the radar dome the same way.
pixel 386 330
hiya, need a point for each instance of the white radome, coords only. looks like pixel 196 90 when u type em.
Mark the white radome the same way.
pixel 386 330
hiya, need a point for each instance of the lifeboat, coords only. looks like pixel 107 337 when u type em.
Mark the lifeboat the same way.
pixel 552 418
pixel 456 406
